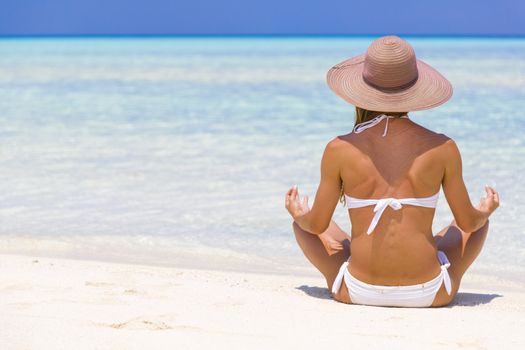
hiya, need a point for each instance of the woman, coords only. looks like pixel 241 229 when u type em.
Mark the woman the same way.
pixel 389 171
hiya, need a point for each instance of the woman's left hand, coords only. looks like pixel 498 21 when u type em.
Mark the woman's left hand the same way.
pixel 294 205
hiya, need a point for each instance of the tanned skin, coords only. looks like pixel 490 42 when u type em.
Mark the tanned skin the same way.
pixel 410 161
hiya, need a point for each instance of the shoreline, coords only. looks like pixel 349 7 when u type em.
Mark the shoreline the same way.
pixel 107 305
pixel 168 252
pixel 164 252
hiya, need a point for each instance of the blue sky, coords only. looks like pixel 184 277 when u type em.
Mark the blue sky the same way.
pixel 448 17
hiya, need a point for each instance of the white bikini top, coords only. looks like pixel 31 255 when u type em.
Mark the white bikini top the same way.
pixel 394 203
pixel 381 204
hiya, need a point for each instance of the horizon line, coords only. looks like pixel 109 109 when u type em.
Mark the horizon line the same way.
pixel 256 35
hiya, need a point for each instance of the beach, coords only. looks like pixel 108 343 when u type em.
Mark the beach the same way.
pixel 51 303
pixel 168 147
pixel 143 184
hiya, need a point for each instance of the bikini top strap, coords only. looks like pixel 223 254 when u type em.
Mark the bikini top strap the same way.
pixel 372 122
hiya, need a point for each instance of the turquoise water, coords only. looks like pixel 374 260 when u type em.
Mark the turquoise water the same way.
pixel 179 150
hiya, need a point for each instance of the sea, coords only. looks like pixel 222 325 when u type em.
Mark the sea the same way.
pixel 178 151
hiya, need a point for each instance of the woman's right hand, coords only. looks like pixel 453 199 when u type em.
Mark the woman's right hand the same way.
pixel 296 207
pixel 488 204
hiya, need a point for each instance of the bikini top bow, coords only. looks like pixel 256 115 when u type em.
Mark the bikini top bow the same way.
pixel 394 203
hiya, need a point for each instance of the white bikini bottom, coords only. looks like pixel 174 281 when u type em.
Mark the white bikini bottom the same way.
pixel 417 295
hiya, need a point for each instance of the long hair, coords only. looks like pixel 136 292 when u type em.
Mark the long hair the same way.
pixel 362 115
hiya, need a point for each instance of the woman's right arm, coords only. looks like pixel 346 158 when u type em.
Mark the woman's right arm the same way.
pixel 468 218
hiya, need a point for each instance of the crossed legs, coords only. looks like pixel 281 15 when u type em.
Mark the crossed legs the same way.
pixel 326 251
pixel 461 248
pixel 330 249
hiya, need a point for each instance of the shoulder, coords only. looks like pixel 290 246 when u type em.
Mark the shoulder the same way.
pixel 337 150
pixel 448 145
pixel 335 144
pixel 448 150
pixel 430 133
pixel 434 139
pixel 451 150
pixel 339 144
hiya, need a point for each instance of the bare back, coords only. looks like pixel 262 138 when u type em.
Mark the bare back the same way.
pixel 407 162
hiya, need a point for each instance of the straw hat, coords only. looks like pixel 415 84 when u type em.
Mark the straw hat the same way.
pixel 389 78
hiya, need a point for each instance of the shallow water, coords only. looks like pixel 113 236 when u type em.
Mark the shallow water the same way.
pixel 153 149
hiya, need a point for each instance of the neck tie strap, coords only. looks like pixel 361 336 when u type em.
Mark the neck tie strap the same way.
pixel 372 122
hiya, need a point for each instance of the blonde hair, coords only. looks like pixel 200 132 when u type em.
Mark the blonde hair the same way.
pixel 362 115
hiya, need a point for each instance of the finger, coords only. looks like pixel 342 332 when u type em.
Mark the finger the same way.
pixel 295 193
pixel 290 192
pixel 496 197
pixel 490 194
pixel 305 201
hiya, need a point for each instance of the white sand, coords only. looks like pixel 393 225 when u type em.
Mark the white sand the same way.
pixel 49 303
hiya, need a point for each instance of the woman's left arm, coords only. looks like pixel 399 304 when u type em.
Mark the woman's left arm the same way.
pixel 317 219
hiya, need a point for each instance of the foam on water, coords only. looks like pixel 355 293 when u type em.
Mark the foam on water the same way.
pixel 189 144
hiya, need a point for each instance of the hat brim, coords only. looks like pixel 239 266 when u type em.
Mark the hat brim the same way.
pixel 430 90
